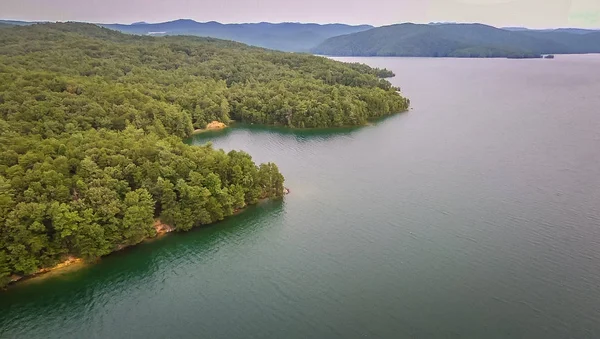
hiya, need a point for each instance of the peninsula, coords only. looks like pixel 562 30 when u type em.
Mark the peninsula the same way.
pixel 92 122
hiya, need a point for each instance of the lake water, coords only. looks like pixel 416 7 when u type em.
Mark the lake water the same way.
pixel 474 215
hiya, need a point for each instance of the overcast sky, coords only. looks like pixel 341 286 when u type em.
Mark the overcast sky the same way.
pixel 530 13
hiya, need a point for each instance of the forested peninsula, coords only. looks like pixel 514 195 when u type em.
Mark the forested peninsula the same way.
pixel 92 123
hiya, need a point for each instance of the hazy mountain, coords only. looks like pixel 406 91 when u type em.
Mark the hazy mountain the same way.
pixel 16 23
pixel 574 43
pixel 457 40
pixel 564 30
pixel 434 39
pixel 297 37
pixel 516 29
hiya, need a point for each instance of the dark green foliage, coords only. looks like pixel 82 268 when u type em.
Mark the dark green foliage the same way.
pixel 362 68
pixel 457 40
pixel 93 192
pixel 91 122
pixel 57 78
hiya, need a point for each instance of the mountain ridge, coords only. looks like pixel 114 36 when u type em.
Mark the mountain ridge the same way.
pixel 437 39
pixel 284 36
pixel 458 40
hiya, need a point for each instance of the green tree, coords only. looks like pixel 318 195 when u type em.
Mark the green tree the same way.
pixel 138 216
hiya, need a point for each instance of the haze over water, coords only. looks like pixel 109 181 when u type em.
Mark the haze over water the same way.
pixel 474 215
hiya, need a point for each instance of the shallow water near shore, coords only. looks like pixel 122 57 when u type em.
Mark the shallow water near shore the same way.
pixel 474 215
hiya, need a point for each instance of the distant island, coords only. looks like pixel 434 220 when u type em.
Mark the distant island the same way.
pixel 92 123
pixel 460 40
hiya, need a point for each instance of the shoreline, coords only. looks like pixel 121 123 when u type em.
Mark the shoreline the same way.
pixel 212 126
pixel 69 264
pixel 236 124
pixel 74 263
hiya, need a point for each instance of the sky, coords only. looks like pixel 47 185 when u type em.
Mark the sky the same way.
pixel 500 13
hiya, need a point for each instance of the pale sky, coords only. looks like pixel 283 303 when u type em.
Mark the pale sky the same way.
pixel 529 13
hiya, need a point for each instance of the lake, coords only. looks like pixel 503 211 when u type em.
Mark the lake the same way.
pixel 474 215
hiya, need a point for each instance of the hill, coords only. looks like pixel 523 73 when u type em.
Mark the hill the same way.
pixel 92 122
pixel 16 22
pixel 458 40
pixel 292 37
pixel 565 30
pixel 569 42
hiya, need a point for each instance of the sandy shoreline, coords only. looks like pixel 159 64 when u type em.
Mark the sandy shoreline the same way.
pixel 212 126
pixel 71 262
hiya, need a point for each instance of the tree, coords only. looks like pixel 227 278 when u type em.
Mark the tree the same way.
pixel 138 216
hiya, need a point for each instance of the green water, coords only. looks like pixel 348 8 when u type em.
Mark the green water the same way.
pixel 474 215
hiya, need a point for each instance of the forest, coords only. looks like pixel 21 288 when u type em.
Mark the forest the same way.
pixel 92 123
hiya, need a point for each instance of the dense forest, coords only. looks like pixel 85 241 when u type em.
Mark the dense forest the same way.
pixel 92 122
pixel 98 78
pixel 458 40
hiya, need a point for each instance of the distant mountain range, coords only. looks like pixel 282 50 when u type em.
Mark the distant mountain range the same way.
pixel 460 40
pixel 288 36
pixel 564 30
pixel 417 40
pixel 292 37
pixel 17 22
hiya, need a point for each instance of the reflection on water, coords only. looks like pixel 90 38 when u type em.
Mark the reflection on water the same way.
pixel 75 296
pixel 300 135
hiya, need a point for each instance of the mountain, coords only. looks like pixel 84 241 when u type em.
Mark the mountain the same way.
pixel 420 40
pixel 565 30
pixel 570 43
pixel 458 40
pixel 15 23
pixel 573 30
pixel 292 37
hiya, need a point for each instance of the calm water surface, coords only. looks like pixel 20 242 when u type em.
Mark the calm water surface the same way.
pixel 474 215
